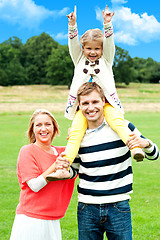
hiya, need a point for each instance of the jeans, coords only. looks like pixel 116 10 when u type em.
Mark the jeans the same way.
pixel 114 219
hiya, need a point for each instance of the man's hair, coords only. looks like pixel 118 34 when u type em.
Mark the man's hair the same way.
pixel 89 87
pixel 92 35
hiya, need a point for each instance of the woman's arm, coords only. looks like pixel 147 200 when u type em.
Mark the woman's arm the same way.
pixel 36 184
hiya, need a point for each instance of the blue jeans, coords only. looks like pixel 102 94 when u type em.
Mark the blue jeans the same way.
pixel 114 219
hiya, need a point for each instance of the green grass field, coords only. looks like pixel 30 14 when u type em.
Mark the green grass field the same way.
pixel 145 202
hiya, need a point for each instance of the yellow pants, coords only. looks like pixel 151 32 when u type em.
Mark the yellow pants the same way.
pixel 79 126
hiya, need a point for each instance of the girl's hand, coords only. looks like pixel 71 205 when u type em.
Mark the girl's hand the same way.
pixel 72 17
pixel 107 15
pixel 61 162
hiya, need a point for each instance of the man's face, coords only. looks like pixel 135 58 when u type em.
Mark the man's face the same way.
pixel 91 106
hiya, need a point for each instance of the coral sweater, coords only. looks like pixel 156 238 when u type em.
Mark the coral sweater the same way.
pixel 52 201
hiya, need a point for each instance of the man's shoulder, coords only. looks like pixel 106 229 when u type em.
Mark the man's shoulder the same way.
pixel 103 133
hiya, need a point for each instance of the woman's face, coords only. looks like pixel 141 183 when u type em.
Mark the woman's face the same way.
pixel 43 129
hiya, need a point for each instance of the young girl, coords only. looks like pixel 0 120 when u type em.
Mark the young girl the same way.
pixel 93 62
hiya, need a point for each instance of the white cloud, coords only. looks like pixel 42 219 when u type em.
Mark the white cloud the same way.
pixel 118 1
pixel 26 13
pixel 99 14
pixel 60 36
pixel 131 28
pixel 126 38
pixel 63 12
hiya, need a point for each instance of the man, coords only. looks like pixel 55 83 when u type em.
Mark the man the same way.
pixel 105 172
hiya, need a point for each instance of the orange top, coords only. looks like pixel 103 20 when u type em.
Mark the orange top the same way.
pixel 52 201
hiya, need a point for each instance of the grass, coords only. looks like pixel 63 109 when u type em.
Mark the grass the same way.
pixel 33 93
pixel 139 93
pixel 145 198
pixel 135 92
pixel 144 202
pixel 14 129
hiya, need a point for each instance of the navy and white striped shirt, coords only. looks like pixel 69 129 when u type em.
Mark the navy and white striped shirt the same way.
pixel 105 166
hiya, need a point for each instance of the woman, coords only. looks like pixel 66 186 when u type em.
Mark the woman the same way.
pixel 41 203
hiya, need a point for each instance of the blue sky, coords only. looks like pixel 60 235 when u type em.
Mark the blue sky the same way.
pixel 136 23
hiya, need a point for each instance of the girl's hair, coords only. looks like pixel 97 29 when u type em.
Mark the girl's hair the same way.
pixel 92 35
pixel 89 87
pixel 31 136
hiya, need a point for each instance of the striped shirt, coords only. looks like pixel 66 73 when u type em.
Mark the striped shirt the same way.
pixel 105 166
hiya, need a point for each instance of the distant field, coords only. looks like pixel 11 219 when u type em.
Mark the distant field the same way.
pixel 135 97
pixel 16 106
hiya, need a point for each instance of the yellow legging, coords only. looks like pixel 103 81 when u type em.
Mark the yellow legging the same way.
pixel 79 126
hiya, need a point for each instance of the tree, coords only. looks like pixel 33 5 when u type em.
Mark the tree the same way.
pixel 60 66
pixel 3 78
pixel 16 73
pixel 15 42
pixel 155 73
pixel 41 60
pixel 12 71
pixel 37 50
pixel 148 70
pixel 122 66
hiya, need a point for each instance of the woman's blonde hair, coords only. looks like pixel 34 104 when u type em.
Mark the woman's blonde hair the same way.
pixel 31 136
pixel 92 35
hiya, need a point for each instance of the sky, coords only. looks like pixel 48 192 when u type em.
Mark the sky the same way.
pixel 136 22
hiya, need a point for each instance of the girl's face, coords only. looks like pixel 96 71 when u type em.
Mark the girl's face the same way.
pixel 43 129
pixel 93 50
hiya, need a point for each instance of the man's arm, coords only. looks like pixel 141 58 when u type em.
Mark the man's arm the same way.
pixel 74 168
pixel 151 152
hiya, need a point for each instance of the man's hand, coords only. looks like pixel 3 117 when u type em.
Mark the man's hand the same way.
pixel 137 141
pixel 72 17
pixel 107 15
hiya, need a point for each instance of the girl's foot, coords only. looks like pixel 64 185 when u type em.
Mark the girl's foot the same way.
pixel 138 154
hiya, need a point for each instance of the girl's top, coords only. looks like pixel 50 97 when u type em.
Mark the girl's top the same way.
pixel 51 202
pixel 101 70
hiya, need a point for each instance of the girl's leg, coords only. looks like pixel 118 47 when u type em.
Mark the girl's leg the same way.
pixel 78 129
pixel 116 121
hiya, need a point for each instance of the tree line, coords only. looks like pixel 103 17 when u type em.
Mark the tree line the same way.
pixel 42 60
